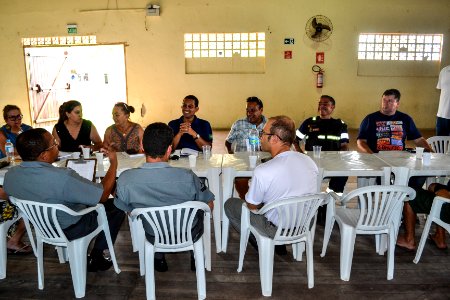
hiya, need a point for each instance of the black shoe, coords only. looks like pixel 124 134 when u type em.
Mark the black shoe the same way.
pixel 280 249
pixel 161 265
pixel 98 263
pixel 193 263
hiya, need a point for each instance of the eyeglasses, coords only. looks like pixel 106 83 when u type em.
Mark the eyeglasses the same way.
pixel 262 133
pixel 55 143
pixel 14 118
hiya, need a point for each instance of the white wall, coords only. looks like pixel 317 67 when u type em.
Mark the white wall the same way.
pixel 156 67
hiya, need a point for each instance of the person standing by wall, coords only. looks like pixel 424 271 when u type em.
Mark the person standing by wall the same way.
pixel 443 113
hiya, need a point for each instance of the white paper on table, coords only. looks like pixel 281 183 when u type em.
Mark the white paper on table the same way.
pixel 85 168
pixel 188 151
pixel 64 155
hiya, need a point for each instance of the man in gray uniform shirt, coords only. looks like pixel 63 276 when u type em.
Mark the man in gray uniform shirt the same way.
pixel 157 184
pixel 36 179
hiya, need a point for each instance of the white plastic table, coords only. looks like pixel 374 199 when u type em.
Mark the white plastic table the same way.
pixel 351 163
pixel 405 165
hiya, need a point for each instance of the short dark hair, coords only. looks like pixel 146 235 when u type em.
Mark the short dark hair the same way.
pixel 8 108
pixel 254 99
pixel 284 128
pixel 67 107
pixel 157 138
pixel 331 99
pixel 393 92
pixel 127 109
pixel 31 143
pixel 192 97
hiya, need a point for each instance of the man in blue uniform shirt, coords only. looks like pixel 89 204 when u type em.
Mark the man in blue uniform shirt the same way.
pixel 189 130
pixel 157 184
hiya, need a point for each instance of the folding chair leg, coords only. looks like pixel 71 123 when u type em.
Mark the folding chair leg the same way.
pixel 77 251
pixel 310 261
pixel 40 264
pixel 423 239
pixel 3 248
pixel 149 271
pixel 266 249
pixel 329 223
pixel 348 236
pixel 200 269
pixel 390 254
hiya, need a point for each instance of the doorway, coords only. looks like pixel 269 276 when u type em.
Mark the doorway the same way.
pixel 94 75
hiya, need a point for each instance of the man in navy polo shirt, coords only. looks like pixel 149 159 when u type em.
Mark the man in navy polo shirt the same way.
pixel 189 130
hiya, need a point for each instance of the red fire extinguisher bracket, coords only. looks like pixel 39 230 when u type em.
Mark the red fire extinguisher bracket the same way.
pixel 319 75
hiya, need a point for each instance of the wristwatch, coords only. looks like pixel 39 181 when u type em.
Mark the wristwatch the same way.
pixel 197 137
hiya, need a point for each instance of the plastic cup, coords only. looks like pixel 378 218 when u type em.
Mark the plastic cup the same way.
pixel 316 151
pixel 86 152
pixel 206 151
pixel 99 157
pixel 426 158
pixel 192 161
pixel 76 155
pixel 419 152
pixel 252 161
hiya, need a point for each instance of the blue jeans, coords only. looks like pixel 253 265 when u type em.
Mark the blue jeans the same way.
pixel 442 126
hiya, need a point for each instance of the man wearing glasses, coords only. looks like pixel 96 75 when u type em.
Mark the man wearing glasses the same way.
pixel 279 178
pixel 325 131
pixel 36 179
pixel 189 130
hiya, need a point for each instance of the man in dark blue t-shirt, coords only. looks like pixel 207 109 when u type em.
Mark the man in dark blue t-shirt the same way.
pixel 387 129
pixel 190 131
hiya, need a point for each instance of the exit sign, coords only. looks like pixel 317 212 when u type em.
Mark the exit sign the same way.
pixel 289 41
pixel 72 28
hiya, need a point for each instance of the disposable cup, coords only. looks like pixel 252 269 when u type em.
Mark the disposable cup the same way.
pixel 206 151
pixel 252 161
pixel 426 158
pixel 316 151
pixel 86 152
pixel 99 157
pixel 419 152
pixel 192 161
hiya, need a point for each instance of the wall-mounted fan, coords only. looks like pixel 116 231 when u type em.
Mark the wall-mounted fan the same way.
pixel 319 28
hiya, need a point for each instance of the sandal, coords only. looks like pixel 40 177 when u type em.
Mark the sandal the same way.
pixel 26 249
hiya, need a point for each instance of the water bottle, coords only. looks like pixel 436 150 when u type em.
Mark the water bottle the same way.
pixel 253 140
pixel 9 148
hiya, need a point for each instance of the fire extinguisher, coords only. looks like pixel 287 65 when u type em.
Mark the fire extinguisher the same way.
pixel 319 75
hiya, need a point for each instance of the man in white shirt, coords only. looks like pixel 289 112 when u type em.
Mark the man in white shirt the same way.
pixel 443 113
pixel 288 174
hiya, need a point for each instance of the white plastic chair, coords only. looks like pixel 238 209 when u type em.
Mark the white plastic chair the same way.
pixel 4 227
pixel 379 213
pixel 47 230
pixel 434 216
pixel 295 218
pixel 439 144
pixel 172 226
